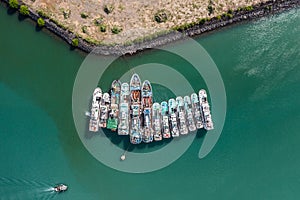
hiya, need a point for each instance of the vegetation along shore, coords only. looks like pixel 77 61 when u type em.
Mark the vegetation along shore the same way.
pixel 125 27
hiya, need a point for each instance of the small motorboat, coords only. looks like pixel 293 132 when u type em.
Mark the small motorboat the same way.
pixel 60 188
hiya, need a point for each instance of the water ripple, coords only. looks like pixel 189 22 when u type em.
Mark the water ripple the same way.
pixel 268 53
pixel 15 188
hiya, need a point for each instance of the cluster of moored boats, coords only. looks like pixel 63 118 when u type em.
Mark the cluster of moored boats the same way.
pixel 129 110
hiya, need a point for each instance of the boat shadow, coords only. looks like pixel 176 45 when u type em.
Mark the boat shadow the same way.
pixel 38 28
pixel 201 133
pixel 123 141
pixel 21 17
pixel 11 11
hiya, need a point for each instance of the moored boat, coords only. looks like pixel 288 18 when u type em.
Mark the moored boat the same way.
pixel 156 121
pixel 95 113
pixel 173 117
pixel 197 110
pixel 147 114
pixel 60 188
pixel 208 123
pixel 135 108
pixel 123 127
pixel 112 122
pixel 189 113
pixel 104 108
pixel 181 116
pixel 165 128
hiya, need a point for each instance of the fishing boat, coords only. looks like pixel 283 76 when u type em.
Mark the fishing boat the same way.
pixel 60 188
pixel 112 122
pixel 173 117
pixel 123 127
pixel 165 120
pixel 135 108
pixel 189 113
pixel 104 108
pixel 208 123
pixel 156 121
pixel 147 114
pixel 197 111
pixel 181 116
pixel 95 113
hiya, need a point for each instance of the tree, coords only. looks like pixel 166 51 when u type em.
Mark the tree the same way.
pixel 41 22
pixel 75 42
pixel 24 10
pixel 13 4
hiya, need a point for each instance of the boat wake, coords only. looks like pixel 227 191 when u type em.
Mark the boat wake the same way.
pixel 13 188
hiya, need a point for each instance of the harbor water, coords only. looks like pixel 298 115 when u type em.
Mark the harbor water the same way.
pixel 256 157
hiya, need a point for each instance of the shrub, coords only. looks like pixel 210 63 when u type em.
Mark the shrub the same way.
pixel 75 42
pixel 91 41
pixel 66 13
pixel 116 30
pixel 13 4
pixel 230 16
pixel 108 9
pixel 98 21
pixel 230 11
pixel 58 23
pixel 84 15
pixel 84 29
pixel 202 21
pixel 40 22
pixel 42 14
pixel 24 10
pixel 210 9
pixel 103 28
pixel 161 16
pixel 184 26
pixel 269 8
pixel 248 8
pixel 219 17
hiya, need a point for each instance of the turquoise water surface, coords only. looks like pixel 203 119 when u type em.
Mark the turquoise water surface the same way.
pixel 257 156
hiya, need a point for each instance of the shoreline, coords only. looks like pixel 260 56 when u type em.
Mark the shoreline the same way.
pixel 259 10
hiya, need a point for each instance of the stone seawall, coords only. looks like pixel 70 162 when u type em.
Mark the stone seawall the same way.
pixel 259 10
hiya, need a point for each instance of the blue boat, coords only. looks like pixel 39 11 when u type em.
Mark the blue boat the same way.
pixel 181 116
pixel 165 120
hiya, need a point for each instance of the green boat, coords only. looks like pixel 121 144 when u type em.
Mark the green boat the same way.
pixel 112 123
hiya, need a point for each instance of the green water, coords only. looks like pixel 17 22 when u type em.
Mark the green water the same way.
pixel 257 156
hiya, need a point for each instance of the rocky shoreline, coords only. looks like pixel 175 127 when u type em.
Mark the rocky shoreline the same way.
pixel 259 10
